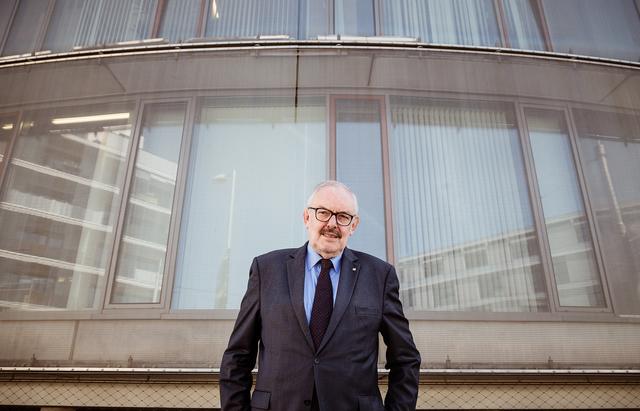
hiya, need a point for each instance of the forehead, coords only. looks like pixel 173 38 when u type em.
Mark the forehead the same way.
pixel 334 198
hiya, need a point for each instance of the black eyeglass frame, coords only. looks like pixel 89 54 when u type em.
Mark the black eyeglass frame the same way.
pixel 351 217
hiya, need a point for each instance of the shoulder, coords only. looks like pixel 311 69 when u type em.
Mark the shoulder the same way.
pixel 278 255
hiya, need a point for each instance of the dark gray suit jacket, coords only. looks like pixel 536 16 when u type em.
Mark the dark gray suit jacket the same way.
pixel 272 324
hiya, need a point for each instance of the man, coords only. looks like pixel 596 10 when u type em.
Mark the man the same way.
pixel 313 316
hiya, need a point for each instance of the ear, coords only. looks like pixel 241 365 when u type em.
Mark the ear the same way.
pixel 305 217
pixel 354 224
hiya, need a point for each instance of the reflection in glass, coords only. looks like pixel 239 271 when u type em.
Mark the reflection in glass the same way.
pixel 253 163
pixel 574 264
pixel 463 227
pixel 610 148
pixel 606 28
pixel 524 27
pixel 180 20
pixel 6 10
pixel 471 22
pixel 23 34
pixel 359 165
pixel 59 206
pixel 354 17
pixel 7 128
pixel 143 247
pixel 95 22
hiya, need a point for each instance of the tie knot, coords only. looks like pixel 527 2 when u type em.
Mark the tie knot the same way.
pixel 325 264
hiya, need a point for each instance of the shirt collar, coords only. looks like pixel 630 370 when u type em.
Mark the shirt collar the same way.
pixel 313 258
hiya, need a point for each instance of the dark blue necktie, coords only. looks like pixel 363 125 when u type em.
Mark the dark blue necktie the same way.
pixel 322 303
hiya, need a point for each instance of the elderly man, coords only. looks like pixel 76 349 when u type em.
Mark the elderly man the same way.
pixel 312 315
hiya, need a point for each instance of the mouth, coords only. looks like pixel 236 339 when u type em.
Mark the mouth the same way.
pixel 331 233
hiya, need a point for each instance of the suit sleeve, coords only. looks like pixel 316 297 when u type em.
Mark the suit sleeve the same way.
pixel 403 358
pixel 239 358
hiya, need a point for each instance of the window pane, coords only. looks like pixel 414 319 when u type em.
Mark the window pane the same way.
pixel 25 27
pixel 359 165
pixel 95 22
pixel 523 25
pixel 471 22
pixel 568 231
pixel 143 246
pixel 6 8
pixel 610 148
pixel 248 18
pixel 7 128
pixel 354 17
pixel 180 20
pixel 606 28
pixel 242 198
pixel 59 206
pixel 464 233
pixel 314 18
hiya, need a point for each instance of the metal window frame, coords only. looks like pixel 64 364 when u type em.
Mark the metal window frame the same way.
pixel 5 35
pixel 168 268
pixel 541 228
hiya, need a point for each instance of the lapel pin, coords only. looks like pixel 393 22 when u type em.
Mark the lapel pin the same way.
pixel 353 269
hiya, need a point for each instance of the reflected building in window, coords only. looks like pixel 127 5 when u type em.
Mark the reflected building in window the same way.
pixel 149 149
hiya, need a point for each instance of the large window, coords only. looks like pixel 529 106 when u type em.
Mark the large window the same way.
pixel 574 263
pixel 59 206
pixel 143 244
pixel 606 28
pixel 464 231
pixel 253 162
pixel 472 22
pixel 610 148
pixel 96 22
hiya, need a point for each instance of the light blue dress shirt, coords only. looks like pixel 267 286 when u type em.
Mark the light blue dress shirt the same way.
pixel 311 274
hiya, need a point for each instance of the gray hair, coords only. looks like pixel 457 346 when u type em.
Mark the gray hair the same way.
pixel 333 184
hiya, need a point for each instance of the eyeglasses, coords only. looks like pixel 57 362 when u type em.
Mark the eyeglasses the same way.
pixel 324 215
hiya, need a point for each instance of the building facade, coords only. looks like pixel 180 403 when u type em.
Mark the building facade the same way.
pixel 150 148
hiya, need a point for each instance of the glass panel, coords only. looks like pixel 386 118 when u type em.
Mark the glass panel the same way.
pixel 253 163
pixel 60 204
pixel 354 17
pixel 470 22
pixel 143 246
pixel 606 28
pixel 568 231
pixel 248 18
pixel 95 22
pixel 25 27
pixel 359 165
pixel 610 148
pixel 523 25
pixel 314 18
pixel 180 20
pixel 7 128
pixel 6 9
pixel 463 228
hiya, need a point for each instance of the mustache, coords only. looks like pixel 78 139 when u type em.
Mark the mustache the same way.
pixel 331 230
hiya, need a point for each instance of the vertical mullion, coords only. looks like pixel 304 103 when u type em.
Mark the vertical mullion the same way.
pixel 4 36
pixel 589 212
pixel 385 115
pixel 160 11
pixel 39 43
pixel 171 256
pixel 331 140
pixel 126 186
pixel 377 18
pixel 201 27
pixel 543 24
pixel 502 23
pixel 536 206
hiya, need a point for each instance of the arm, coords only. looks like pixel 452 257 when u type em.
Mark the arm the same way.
pixel 403 359
pixel 240 356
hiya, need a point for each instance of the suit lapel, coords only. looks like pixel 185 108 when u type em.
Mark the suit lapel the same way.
pixel 295 276
pixel 349 271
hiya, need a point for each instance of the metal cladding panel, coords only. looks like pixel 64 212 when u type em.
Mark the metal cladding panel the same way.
pixel 49 341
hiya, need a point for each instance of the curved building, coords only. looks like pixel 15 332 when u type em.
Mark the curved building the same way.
pixel 150 148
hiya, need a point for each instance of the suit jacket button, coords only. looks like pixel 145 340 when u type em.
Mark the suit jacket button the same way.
pixel 316 361
pixel 307 403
